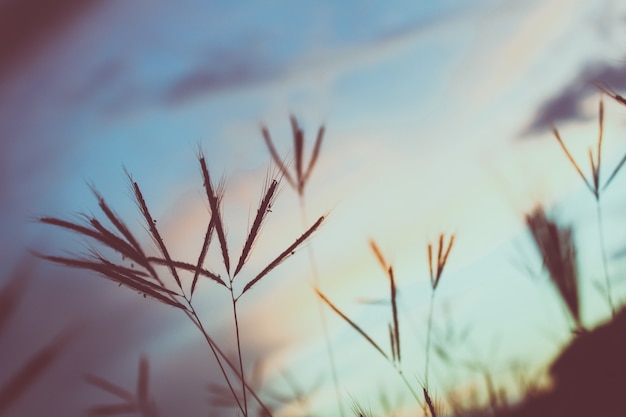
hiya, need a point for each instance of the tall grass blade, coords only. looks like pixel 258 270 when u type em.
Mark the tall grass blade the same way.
pixel 351 323
pixel 12 292
pixel 379 255
pixel 439 258
pixel 430 403
pixel 392 340
pixel 284 255
pixel 262 211
pixel 315 154
pixel 189 267
pixel 444 260
pixel 614 173
pixel 109 387
pixel 142 381
pixel 154 231
pixel 117 222
pixel 573 162
pixel 609 92
pixel 214 203
pixel 132 281
pixel 281 166
pixel 205 248
pixel 556 246
pixel 430 265
pixel 298 146
pixel 394 310
pixel 600 137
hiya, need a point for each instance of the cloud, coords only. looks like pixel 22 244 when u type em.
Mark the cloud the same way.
pixel 211 78
pixel 566 105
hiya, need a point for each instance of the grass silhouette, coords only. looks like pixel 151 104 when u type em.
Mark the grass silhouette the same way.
pixel 586 377
pixel 298 181
pixel 142 276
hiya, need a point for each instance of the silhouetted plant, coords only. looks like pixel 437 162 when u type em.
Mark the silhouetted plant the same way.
pixel 141 275
pixel 596 189
pixel 558 252
pixel 139 402
pixel 298 181
pixel 435 267
pixel 394 359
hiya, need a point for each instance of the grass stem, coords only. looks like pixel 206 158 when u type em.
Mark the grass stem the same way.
pixel 243 375
pixel 428 337
pixel 605 265
pixel 316 280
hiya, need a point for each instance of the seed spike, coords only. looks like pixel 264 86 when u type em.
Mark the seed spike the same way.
pixel 315 154
pixel 378 254
pixel 394 311
pixel 262 211
pixel 284 255
pixel 281 166
pixel 214 202
pixel 571 160
pixel 351 323
pixel 614 173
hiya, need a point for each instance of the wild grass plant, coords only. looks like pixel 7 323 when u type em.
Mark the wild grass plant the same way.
pixel 174 282
pixel 139 270
pixel 298 181
pixel 558 253
pixel 596 187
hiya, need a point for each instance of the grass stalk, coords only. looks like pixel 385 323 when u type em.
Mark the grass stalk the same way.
pixel 435 278
pixel 428 337
pixel 243 375
pixel 322 314
pixel 605 263
pixel 594 185
pixel 298 182
pixel 217 352
pixel 371 341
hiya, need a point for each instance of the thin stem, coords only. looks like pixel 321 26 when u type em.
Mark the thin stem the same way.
pixel 316 280
pixel 605 265
pixel 243 375
pixel 430 324
pixel 193 316
pixel 408 385
pixel 215 348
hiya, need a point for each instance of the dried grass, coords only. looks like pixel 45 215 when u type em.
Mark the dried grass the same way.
pixel 596 189
pixel 301 176
pixel 145 280
pixel 558 252
pixel 139 402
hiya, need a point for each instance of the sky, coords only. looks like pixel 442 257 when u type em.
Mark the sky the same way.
pixel 438 119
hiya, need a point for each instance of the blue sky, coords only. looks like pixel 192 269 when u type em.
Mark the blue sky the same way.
pixel 438 119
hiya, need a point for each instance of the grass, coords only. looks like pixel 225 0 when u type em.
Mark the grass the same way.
pixel 596 187
pixel 298 181
pixel 140 402
pixel 156 274
pixel 142 275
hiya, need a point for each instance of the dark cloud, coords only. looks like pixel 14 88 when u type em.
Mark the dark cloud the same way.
pixel 27 25
pixel 226 73
pixel 567 104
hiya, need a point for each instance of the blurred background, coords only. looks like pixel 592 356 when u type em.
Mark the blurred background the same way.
pixel 438 118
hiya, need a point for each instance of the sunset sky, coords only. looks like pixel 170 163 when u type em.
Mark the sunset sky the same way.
pixel 437 116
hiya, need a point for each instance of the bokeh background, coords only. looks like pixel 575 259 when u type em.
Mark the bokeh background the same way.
pixel 438 118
